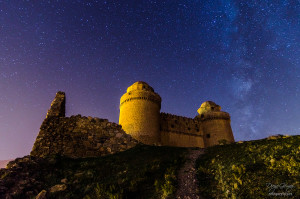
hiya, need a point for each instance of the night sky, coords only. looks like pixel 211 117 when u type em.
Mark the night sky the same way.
pixel 245 56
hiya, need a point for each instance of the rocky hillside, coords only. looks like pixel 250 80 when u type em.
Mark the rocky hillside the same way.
pixel 268 168
pixel 140 172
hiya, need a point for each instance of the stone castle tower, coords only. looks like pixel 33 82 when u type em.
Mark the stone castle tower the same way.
pixel 140 113
pixel 141 118
pixel 215 124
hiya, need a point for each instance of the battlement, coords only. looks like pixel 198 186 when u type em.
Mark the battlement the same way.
pixel 164 115
pixel 150 98
pixel 179 124
pixel 213 116
pixel 180 131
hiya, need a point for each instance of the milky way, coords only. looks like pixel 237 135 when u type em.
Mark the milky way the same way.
pixel 242 55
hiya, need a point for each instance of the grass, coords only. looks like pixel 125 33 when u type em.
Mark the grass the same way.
pixel 141 172
pixel 254 169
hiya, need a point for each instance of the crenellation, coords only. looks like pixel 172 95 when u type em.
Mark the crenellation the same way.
pixel 181 132
pixel 140 98
pixel 169 115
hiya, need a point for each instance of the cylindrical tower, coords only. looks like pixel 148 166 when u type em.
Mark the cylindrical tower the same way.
pixel 215 123
pixel 139 113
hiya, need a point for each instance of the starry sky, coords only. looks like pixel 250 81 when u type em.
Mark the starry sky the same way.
pixel 243 55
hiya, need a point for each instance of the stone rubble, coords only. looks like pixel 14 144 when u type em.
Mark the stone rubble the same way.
pixel 22 177
pixel 187 179
pixel 80 137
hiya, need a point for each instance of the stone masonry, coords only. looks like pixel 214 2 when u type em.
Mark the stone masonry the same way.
pixel 78 136
pixel 140 117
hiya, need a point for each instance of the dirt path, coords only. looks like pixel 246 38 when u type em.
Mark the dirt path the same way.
pixel 187 180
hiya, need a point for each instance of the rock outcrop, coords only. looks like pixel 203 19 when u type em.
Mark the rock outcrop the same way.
pixel 23 177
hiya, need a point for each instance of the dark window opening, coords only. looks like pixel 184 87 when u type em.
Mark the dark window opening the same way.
pixel 172 126
pixel 208 135
pixel 189 128
pixel 202 116
pixel 212 108
pixel 176 121
pixel 197 130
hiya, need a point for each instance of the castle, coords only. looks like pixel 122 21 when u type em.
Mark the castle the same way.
pixel 140 121
pixel 141 118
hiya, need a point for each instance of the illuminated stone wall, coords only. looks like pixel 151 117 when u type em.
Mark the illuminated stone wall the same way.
pixel 180 131
pixel 139 113
pixel 219 132
pixel 57 108
pixel 215 123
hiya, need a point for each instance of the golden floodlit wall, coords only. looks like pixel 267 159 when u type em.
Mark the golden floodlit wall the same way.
pixel 215 123
pixel 217 131
pixel 180 131
pixel 139 113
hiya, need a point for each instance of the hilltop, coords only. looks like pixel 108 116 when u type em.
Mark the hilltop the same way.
pixel 264 168
pixel 239 170
pixel 140 172
pixel 3 163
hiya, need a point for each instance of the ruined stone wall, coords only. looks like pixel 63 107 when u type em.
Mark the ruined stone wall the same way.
pixel 78 136
pixel 180 131
pixel 58 106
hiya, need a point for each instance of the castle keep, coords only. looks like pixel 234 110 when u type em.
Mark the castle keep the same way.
pixel 141 118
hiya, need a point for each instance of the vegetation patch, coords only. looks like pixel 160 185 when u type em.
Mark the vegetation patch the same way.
pixel 254 169
pixel 140 172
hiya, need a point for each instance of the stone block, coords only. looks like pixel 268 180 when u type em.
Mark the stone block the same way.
pixel 58 187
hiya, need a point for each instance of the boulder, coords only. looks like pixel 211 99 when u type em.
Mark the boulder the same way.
pixel 58 187
pixel 41 195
